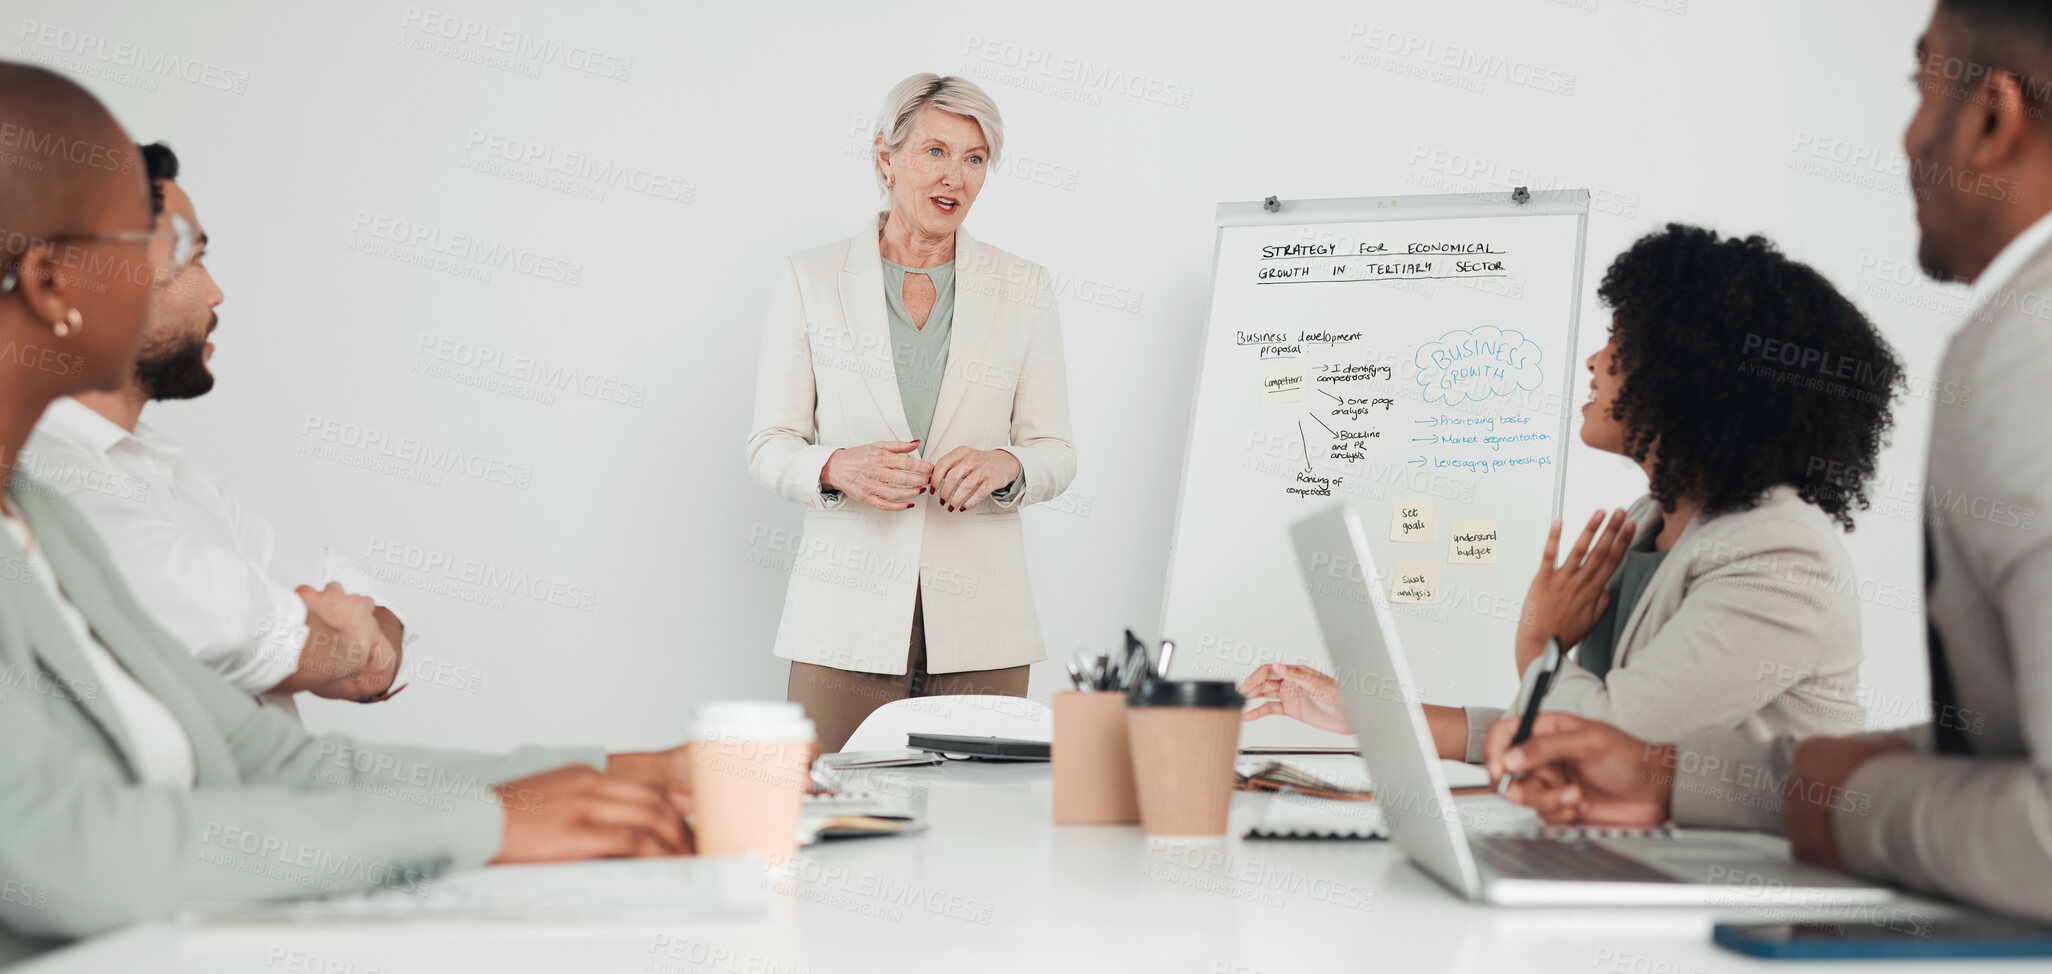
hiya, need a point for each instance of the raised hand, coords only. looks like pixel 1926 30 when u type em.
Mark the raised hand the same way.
pixel 1565 600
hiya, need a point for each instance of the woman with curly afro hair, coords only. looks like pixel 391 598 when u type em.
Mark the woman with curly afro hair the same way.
pixel 1756 399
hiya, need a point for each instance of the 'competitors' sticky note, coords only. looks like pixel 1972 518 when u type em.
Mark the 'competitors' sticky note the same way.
pixel 1283 382
pixel 1414 520
pixel 1417 582
pixel 1472 543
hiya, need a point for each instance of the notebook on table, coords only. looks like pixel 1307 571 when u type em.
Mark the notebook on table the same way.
pixel 980 748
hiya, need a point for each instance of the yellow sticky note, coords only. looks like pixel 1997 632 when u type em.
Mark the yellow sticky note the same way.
pixel 1283 382
pixel 1472 543
pixel 1417 582
pixel 1414 520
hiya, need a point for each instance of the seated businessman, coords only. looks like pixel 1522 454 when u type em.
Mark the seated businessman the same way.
pixel 200 562
pixel 1961 806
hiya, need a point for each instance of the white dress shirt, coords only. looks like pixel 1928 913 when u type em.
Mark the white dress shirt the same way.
pixel 163 751
pixel 1990 294
pixel 200 563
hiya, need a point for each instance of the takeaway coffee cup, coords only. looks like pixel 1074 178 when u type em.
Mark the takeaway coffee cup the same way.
pixel 1185 735
pixel 1093 761
pixel 751 764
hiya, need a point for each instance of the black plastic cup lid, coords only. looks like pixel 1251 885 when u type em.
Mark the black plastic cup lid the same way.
pixel 1186 693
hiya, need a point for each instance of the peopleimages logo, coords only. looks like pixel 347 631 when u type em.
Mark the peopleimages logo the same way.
pixel 134 57
pixel 482 575
pixel 413 450
pixel 528 368
pixel 470 247
pixel 584 166
pixel 1085 75
pixel 1462 58
pixel 516 44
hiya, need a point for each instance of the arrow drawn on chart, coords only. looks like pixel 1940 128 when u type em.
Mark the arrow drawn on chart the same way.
pixel 1334 398
pixel 1315 419
pixel 1418 461
pixel 1305 444
pixel 1425 439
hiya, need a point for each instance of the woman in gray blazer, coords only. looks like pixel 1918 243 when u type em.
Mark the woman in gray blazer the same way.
pixel 134 781
pixel 1755 397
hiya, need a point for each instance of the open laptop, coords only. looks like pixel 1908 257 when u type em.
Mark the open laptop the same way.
pixel 1687 869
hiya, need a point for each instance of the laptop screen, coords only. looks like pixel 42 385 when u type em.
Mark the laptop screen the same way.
pixel 1383 702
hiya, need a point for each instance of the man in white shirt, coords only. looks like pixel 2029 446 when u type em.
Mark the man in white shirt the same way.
pixel 201 564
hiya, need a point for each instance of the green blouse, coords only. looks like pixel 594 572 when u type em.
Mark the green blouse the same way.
pixel 920 355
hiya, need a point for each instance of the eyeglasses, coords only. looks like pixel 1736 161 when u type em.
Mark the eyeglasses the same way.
pixel 184 246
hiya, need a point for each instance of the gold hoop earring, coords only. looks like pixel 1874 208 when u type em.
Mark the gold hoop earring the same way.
pixel 73 321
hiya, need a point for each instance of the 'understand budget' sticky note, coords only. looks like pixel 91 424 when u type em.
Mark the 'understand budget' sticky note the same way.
pixel 1471 543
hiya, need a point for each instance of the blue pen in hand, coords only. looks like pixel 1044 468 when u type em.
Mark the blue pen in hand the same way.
pixel 1549 664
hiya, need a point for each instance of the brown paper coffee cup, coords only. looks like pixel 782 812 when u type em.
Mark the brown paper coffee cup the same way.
pixel 1093 761
pixel 1184 737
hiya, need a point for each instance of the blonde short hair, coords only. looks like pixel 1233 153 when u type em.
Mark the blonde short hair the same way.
pixel 948 93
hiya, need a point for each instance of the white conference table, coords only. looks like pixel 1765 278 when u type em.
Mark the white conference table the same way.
pixel 995 886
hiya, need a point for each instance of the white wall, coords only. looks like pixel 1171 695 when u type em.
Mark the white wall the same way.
pixel 1748 115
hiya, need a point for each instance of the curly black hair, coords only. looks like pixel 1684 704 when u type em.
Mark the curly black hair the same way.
pixel 1745 370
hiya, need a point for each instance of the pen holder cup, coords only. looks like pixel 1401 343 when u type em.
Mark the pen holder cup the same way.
pixel 1093 763
pixel 1185 736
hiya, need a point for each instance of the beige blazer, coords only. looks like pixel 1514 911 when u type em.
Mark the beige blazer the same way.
pixel 826 380
pixel 1751 623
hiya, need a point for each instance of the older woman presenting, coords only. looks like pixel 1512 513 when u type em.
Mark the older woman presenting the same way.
pixel 911 399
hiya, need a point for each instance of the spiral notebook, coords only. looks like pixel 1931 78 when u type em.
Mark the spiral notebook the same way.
pixel 1290 815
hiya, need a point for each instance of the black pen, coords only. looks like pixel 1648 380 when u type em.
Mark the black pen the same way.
pixel 1550 663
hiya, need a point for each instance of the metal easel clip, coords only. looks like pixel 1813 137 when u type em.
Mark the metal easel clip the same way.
pixel 1521 195
pixel 1272 205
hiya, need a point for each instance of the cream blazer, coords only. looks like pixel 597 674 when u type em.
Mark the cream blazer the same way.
pixel 826 380
pixel 1751 623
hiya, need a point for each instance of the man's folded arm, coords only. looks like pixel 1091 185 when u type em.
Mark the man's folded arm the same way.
pixel 244 625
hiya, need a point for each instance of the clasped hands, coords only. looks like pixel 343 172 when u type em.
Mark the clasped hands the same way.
pixel 352 649
pixel 887 476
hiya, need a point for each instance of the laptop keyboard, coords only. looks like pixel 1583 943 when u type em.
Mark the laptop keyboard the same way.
pixel 1523 857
